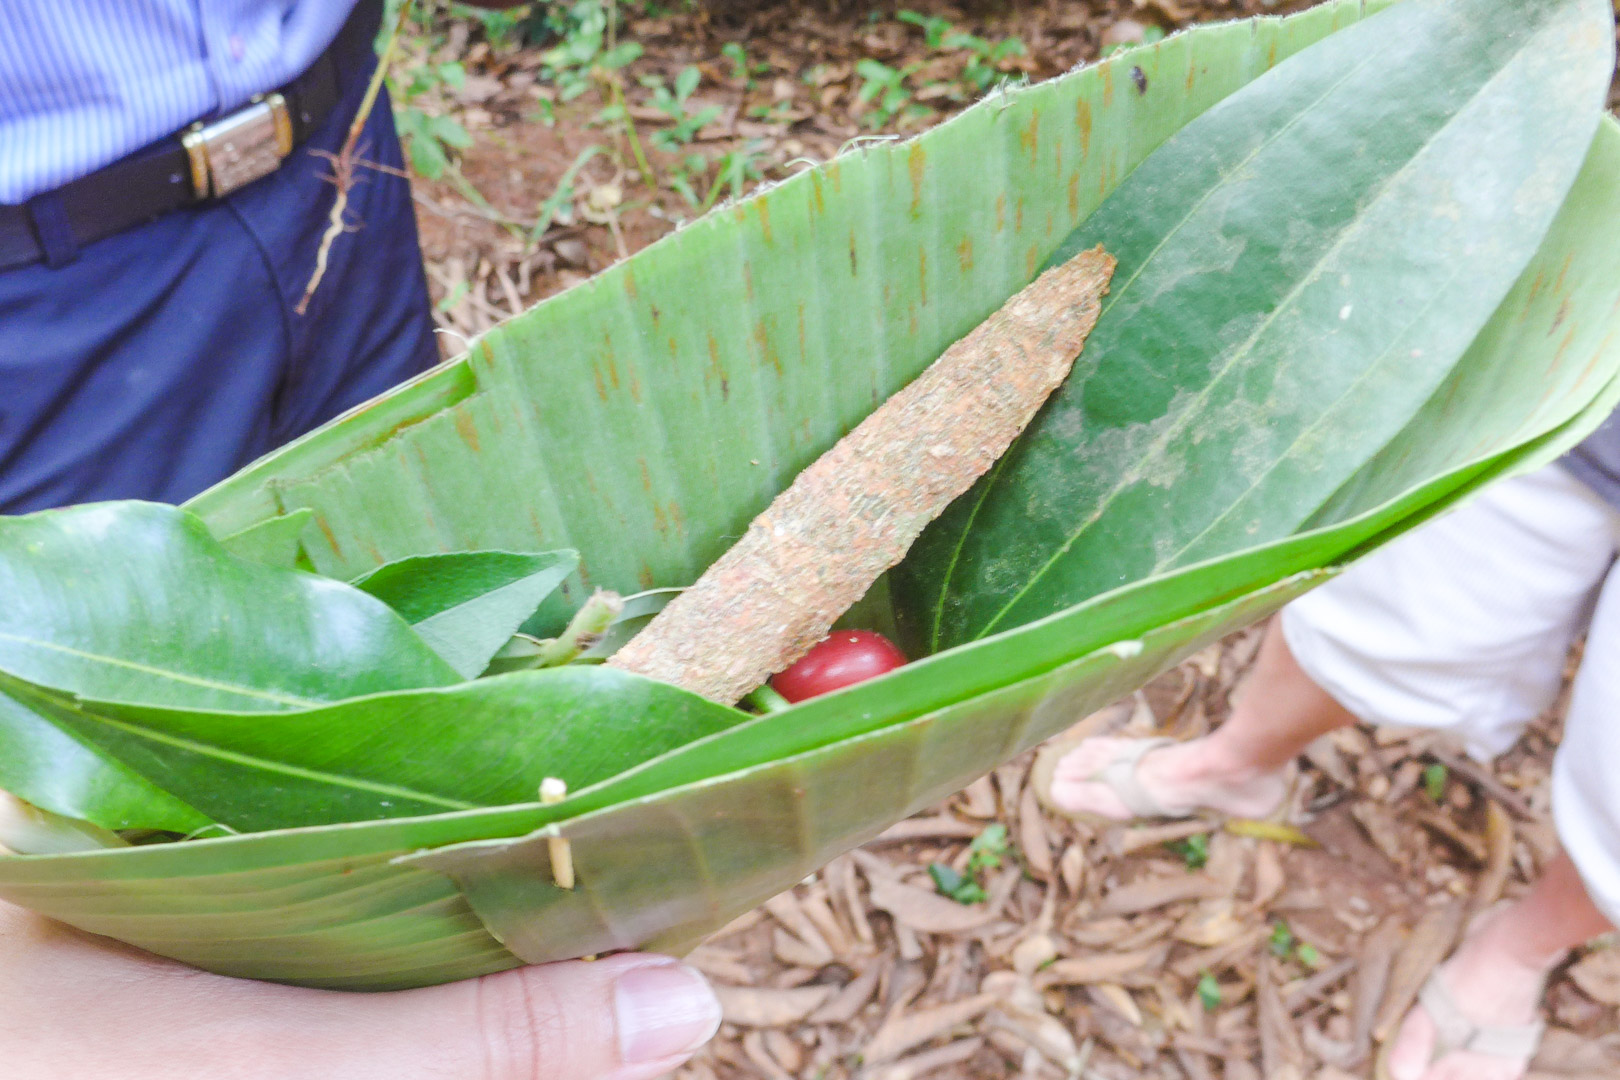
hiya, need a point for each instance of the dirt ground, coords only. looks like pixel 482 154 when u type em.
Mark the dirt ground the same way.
pixel 1173 952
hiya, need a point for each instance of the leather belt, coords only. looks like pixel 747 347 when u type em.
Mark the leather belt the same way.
pixel 206 161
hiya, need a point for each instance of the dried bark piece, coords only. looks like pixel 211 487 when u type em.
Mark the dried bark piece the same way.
pixel 1372 980
pixel 930 1062
pixel 1498 861
pixel 1100 968
pixel 1033 839
pixel 1281 1052
pixel 856 511
pixel 1140 896
pixel 1428 944
pixel 902 1031
pixel 847 1004
pixel 753 1006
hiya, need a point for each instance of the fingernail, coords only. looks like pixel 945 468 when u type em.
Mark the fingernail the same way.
pixel 664 1010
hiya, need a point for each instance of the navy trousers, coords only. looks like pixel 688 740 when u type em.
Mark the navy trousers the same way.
pixel 162 359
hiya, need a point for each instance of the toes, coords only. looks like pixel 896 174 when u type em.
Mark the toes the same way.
pixel 1414 1044
pixel 1087 759
pixel 1087 798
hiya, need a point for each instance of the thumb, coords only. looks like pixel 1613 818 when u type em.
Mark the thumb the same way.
pixel 626 1017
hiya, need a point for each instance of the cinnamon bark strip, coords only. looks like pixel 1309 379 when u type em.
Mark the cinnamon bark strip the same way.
pixel 856 511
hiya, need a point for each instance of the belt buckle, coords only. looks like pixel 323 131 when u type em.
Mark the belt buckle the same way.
pixel 238 149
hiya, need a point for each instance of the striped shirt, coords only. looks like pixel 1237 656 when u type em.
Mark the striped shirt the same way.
pixel 84 82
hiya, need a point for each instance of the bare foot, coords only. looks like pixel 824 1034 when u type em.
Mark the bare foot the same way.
pixel 1184 778
pixel 1491 986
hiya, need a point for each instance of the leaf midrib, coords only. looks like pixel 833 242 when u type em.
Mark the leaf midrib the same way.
pixel 163 673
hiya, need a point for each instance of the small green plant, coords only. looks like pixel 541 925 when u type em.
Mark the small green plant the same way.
pixel 982 72
pixel 1283 944
pixel 1209 991
pixel 959 887
pixel 1194 850
pixel 737 169
pixel 933 27
pixel 884 90
pixel 743 70
pixel 1434 781
pixel 583 48
pixel 671 101
pixel 985 853
pixel 562 197
pixel 428 138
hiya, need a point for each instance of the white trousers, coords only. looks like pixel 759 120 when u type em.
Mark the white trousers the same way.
pixel 1464 625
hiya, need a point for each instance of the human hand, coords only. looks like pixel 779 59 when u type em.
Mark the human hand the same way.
pixel 75 1005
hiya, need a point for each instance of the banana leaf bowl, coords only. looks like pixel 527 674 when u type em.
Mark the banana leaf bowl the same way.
pixel 644 417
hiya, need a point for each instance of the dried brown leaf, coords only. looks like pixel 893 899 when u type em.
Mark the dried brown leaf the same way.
pixel 1152 893
pixel 753 1006
pixel 903 1030
pixel 929 1062
pixel 1426 946
pixel 1100 967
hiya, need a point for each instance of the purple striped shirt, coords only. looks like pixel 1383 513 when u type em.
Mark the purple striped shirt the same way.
pixel 84 82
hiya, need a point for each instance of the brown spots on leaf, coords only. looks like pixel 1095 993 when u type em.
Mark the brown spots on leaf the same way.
pixel 1535 289
pixel 635 388
pixel 1082 120
pixel 331 537
pixel 917 166
pixel 854 264
pixel 467 430
pixel 1051 223
pixel 964 253
pixel 748 281
pixel 922 275
pixel 911 320
pixel 1032 261
pixel 645 576
pixel 1107 75
pixel 1018 215
pixel 717 370
pixel 767 349
pixel 1001 211
pixel 1192 75
pixel 613 371
pixel 601 383
pixel 1074 195
pixel 1563 272
pixel 629 281
pixel 1560 318
pixel 1563 347
pixel 660 522
pixel 1030 137
pixel 1271 54
pixel 646 475
pixel 1140 79
pixel 764 218
pixel 835 173
pixel 677 517
pixel 817 195
pixel 487 353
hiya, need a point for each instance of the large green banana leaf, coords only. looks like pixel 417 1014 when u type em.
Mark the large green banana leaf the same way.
pixel 645 417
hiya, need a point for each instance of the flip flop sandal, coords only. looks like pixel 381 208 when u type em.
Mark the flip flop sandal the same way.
pixel 1119 776
pixel 1454 1032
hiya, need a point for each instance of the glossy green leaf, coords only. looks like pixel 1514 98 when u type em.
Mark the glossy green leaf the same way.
pixel 53 770
pixel 722 360
pixel 466 605
pixel 1299 270
pixel 136 602
pixel 407 753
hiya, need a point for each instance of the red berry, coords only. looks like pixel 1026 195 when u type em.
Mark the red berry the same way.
pixel 843 659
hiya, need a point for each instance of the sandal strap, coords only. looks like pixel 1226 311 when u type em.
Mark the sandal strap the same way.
pixel 1454 1031
pixel 1120 776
